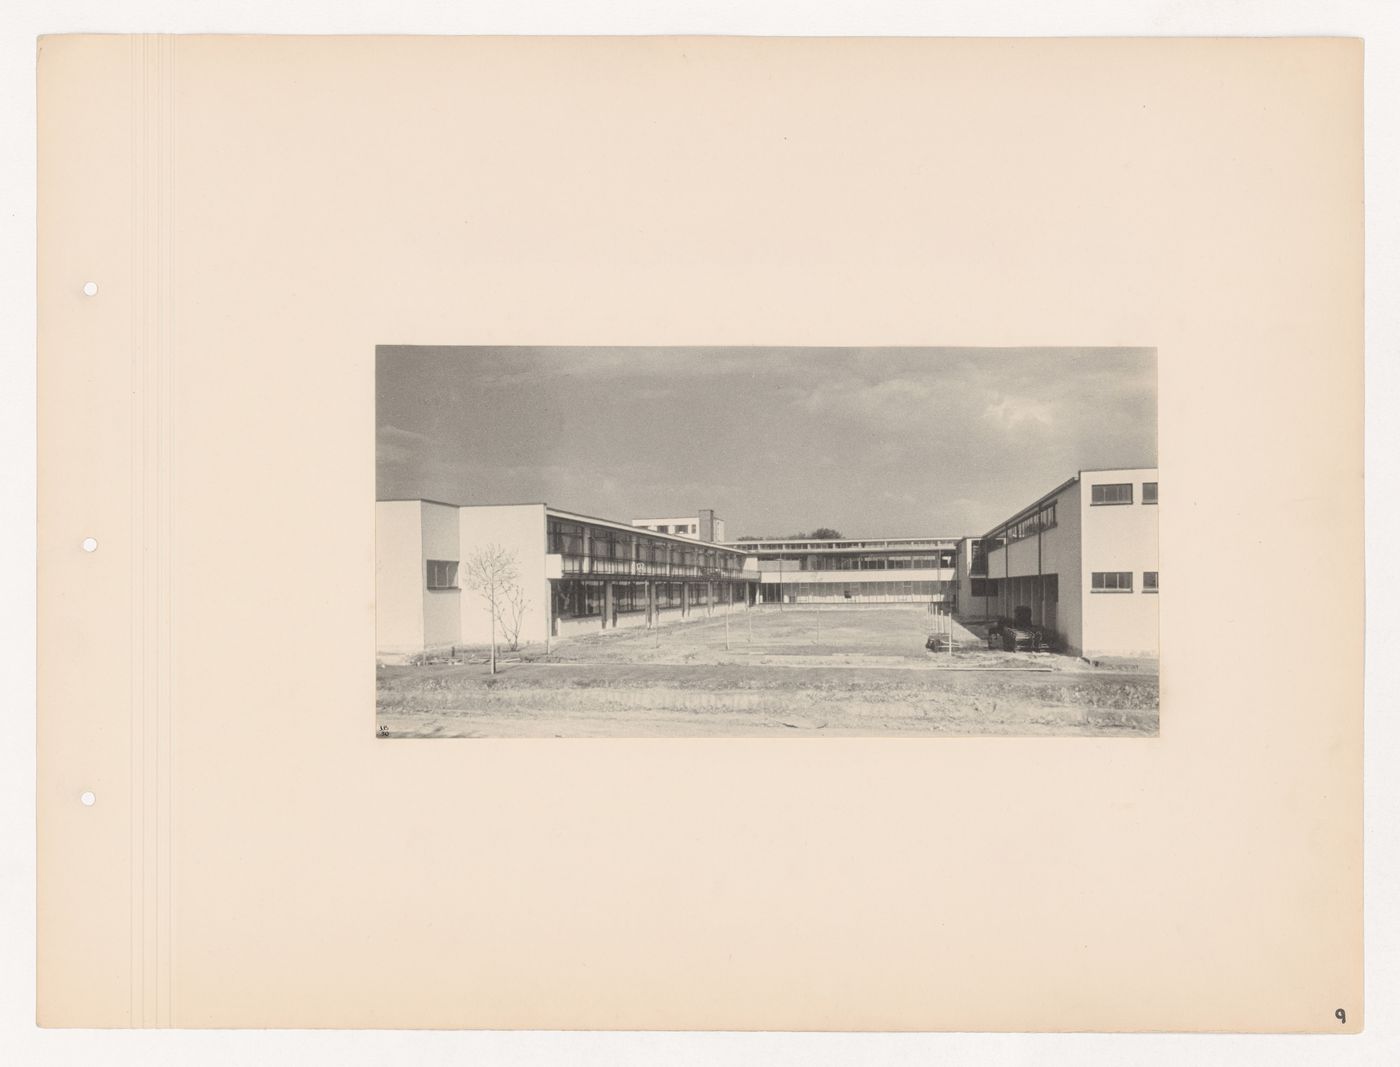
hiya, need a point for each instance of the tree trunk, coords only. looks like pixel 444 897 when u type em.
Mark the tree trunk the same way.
pixel 493 636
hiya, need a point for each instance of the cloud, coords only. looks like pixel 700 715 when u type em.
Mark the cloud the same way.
pixel 773 438
pixel 899 498
pixel 393 445
pixel 1011 411
pixel 892 399
pixel 398 436
pixel 524 368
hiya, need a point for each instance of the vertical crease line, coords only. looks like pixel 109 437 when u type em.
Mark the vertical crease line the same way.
pixel 147 769
pixel 157 541
pixel 135 803
pixel 167 141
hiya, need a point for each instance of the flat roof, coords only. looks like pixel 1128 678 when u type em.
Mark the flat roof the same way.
pixel 627 527
pixel 414 500
pixel 1032 507
pixel 847 542
pixel 449 504
pixel 560 513
pixel 1060 489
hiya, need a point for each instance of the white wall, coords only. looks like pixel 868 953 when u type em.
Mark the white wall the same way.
pixel 1119 537
pixel 967 604
pixel 684 521
pixel 1055 551
pixel 520 529
pixel 1069 612
pixel 398 576
pixel 442 608
pixel 583 624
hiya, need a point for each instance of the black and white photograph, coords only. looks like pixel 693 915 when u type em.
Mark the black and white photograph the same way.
pixel 564 537
pixel 766 542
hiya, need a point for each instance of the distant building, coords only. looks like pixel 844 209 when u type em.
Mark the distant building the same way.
pixel 856 571
pixel 703 526
pixel 1081 561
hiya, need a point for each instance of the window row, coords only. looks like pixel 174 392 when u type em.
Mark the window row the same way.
pixel 1044 519
pixel 855 590
pixel 1121 581
pixel 920 561
pixel 579 598
pixel 1121 493
pixel 576 540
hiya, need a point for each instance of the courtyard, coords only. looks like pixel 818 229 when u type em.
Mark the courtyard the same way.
pixel 791 672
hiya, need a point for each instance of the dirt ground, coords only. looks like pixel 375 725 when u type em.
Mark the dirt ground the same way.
pixel 791 673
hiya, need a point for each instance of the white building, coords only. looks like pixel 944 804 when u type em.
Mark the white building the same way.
pixel 704 526
pixel 890 570
pixel 574 574
pixel 1081 561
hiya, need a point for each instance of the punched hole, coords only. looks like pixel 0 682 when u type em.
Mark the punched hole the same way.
pixel 90 289
pixel 89 544
pixel 89 799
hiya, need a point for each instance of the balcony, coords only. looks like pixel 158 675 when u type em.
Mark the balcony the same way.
pixel 589 566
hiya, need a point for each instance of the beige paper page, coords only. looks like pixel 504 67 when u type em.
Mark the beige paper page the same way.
pixel 259 213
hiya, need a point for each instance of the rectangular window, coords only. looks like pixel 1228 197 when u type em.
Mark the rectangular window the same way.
pixel 1149 492
pixel 630 596
pixel 1120 493
pixel 1111 582
pixel 565 538
pixel 978 563
pixel 442 574
pixel 577 599
pixel 1149 579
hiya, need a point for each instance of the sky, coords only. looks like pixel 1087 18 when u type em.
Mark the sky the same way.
pixel 874 442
